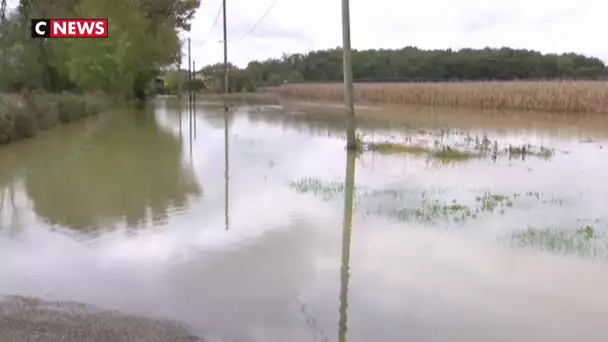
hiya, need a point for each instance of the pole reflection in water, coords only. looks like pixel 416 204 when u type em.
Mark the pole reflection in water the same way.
pixel 226 169
pixel 194 112
pixel 349 188
pixel 179 116
pixel 190 126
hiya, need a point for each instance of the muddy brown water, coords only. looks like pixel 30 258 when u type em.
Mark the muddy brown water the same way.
pixel 148 212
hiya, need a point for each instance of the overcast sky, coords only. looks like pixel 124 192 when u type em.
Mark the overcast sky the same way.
pixel 303 25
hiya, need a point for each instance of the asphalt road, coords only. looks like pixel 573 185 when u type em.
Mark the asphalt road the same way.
pixel 31 320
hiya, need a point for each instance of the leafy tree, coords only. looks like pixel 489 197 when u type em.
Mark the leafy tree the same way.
pixel 143 38
pixel 175 80
pixel 413 64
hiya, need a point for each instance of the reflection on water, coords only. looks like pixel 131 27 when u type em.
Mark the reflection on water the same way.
pixel 349 186
pixel 241 224
pixel 227 170
pixel 134 173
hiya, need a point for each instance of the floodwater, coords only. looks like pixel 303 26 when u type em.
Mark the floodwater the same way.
pixel 259 226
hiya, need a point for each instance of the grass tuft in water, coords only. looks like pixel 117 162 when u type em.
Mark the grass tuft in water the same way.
pixel 432 213
pixel 447 153
pixel 582 241
pixel 320 188
pixel 408 205
pixel 529 150
pixel 395 148
pixel 489 202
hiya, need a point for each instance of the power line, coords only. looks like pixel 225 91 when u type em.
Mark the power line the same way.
pixel 217 17
pixel 199 42
pixel 259 21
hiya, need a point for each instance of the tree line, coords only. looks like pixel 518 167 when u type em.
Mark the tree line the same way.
pixel 412 64
pixel 143 38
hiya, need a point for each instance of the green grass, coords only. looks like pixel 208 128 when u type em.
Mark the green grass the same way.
pixel 459 147
pixel 447 153
pixel 408 205
pixel 327 190
pixel 584 241
pixel 433 213
pixel 489 202
pixel 425 207
pixel 394 148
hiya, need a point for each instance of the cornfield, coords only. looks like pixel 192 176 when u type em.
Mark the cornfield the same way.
pixel 565 97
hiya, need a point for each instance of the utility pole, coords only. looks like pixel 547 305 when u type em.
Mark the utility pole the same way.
pixel 189 71
pixel 179 72
pixel 194 98
pixel 225 58
pixel 193 77
pixel 347 62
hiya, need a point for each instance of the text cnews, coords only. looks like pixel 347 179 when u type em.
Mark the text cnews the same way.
pixel 69 28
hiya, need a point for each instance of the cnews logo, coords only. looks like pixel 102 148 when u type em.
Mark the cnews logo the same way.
pixel 69 28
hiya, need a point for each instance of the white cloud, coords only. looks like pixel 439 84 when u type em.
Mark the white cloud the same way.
pixel 300 26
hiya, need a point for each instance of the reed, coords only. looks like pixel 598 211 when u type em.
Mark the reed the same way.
pixel 557 96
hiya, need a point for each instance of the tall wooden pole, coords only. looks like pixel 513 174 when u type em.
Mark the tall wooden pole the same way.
pixel 179 72
pixel 189 71
pixel 225 58
pixel 348 76
pixel 194 98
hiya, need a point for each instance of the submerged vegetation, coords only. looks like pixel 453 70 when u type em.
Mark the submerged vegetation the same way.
pixel 489 201
pixel 327 190
pixel 395 148
pixel 452 147
pixel 431 208
pixel 585 241
pixel 450 154
pixel 432 213
pixel 389 148
pixel 408 205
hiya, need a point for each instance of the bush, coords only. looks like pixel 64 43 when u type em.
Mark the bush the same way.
pixel 24 124
pixel 195 85
pixel 70 107
pixel 42 111
pixel 7 119
pixel 95 103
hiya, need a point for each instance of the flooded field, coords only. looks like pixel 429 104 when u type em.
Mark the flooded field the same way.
pixel 259 225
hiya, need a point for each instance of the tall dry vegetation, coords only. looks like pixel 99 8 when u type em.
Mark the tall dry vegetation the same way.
pixel 570 97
